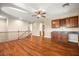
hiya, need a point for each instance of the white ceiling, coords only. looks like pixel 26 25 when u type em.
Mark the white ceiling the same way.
pixel 25 10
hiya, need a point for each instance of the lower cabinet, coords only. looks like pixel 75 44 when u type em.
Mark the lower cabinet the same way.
pixel 59 36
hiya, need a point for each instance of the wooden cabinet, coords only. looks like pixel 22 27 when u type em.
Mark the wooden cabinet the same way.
pixel 55 23
pixel 66 22
pixel 59 36
pixel 72 21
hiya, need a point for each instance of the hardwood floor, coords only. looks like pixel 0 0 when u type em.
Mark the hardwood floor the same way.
pixel 37 46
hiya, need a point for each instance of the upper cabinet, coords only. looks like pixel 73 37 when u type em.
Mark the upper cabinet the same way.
pixel 66 22
pixel 72 21
pixel 56 23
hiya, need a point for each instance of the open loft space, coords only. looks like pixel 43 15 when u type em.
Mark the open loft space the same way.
pixel 39 29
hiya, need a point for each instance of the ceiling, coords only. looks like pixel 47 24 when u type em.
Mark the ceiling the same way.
pixel 24 11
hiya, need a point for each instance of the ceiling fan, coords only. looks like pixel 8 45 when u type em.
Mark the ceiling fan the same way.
pixel 40 13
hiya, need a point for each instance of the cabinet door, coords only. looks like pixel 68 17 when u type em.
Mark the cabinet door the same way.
pixel 63 22
pixel 64 37
pixel 68 22
pixel 72 22
pixel 59 36
pixel 53 35
pixel 55 23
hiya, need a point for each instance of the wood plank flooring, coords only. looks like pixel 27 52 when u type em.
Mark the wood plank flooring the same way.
pixel 37 46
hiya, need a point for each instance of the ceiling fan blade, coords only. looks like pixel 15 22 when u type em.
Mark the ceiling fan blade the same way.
pixel 39 12
pixel 44 13
pixel 44 16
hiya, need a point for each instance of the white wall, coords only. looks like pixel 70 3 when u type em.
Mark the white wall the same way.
pixel 2 29
pixel 16 25
pixel 35 29
pixel 2 25
pixel 13 25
